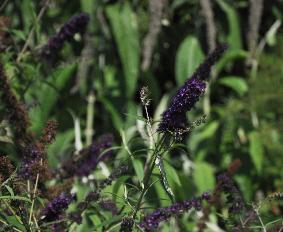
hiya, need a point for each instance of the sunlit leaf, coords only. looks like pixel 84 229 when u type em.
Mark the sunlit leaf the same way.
pixel 189 56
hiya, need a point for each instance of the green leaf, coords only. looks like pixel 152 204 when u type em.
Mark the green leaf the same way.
pixel 19 34
pixel 115 116
pixel 188 58
pixel 207 131
pixel 125 30
pixel 236 83
pixel 256 150
pixel 47 95
pixel 160 165
pixel 10 190
pixel 138 169
pixel 87 6
pixel 118 187
pixel 12 220
pixel 271 35
pixel 15 198
pixel 228 58
pixel 204 176
pixel 172 173
pixel 59 146
pixel 234 38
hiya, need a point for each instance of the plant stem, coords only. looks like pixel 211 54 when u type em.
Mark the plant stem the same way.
pixel 148 175
pixel 33 199
pixel 259 218
pixel 89 118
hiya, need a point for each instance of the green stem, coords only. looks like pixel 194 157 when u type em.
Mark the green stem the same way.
pixel 148 175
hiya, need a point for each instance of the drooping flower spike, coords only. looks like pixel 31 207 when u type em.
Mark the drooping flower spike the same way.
pixel 174 118
pixel 76 24
pixel 88 158
pixel 56 207
pixel 151 221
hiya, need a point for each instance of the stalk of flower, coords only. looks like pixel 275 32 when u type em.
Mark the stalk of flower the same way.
pixel 151 221
pixel 75 25
pixel 174 118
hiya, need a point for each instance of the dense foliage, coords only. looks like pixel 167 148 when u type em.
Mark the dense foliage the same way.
pixel 126 115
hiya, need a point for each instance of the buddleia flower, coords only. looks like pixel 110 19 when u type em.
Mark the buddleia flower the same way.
pixel 174 118
pixel 151 221
pixel 56 207
pixel 76 24
pixel 88 158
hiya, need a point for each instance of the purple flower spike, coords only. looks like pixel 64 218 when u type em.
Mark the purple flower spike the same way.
pixel 89 157
pixel 174 118
pixel 56 207
pixel 76 24
pixel 234 198
pixel 152 221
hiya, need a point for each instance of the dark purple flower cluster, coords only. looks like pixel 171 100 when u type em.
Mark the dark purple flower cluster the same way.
pixel 16 113
pixel 119 171
pixel 89 157
pixel 95 155
pixel 152 221
pixel 56 207
pixel 32 160
pixel 76 24
pixel 234 198
pixel 109 206
pixel 6 168
pixel 174 118
pixel 92 196
pixel 127 225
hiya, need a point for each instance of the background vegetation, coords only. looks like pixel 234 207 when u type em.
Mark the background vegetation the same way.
pixel 92 88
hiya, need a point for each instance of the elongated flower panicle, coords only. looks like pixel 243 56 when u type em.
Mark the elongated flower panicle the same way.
pixel 88 158
pixel 76 24
pixel 56 207
pixel 91 197
pixel 174 118
pixel 49 132
pixel 109 205
pixel 116 173
pixel 33 155
pixel 6 168
pixel 152 221
pixel 234 198
pixel 15 111
pixel 127 224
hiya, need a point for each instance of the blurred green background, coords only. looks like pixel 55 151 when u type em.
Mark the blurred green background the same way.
pixel 93 88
